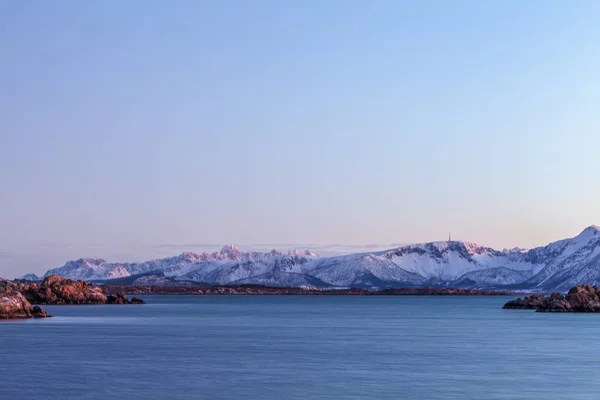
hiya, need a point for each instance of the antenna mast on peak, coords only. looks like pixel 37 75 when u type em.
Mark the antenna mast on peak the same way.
pixel 449 237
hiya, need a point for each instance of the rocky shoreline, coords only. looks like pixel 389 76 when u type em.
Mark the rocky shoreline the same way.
pixel 298 291
pixel 13 305
pixel 16 298
pixel 579 299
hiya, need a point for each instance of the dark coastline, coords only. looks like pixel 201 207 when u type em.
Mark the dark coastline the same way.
pixel 259 290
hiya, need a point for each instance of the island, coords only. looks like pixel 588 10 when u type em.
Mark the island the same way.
pixel 580 299
pixel 57 290
pixel 16 298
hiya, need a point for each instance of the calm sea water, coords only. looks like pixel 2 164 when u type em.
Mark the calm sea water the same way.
pixel 255 347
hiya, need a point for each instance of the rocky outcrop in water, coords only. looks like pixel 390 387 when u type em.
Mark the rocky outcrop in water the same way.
pixel 528 303
pixel 13 305
pixel 582 299
pixel 38 312
pixel 16 298
pixel 121 298
pixel 555 303
pixel 118 298
pixel 58 290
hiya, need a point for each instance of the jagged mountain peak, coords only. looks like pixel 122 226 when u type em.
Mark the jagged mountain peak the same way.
pixel 229 252
pixel 441 247
pixel 296 252
pixel 192 257
pixel 229 247
pixel 88 261
pixel 474 248
pixel 232 252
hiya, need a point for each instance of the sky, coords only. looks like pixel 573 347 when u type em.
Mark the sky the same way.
pixel 131 130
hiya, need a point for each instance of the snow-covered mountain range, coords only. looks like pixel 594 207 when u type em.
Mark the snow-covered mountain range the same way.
pixel 556 266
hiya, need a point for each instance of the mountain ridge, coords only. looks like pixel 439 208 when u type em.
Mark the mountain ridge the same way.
pixel 558 265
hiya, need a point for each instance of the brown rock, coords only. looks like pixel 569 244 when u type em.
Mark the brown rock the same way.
pixel 528 303
pixel 121 298
pixel 555 303
pixel 39 312
pixel 118 298
pixel 14 305
pixel 584 298
pixel 17 297
pixel 58 290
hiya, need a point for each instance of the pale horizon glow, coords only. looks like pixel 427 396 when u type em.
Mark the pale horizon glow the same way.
pixel 127 126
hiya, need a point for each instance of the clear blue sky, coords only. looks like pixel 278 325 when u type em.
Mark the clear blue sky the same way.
pixel 129 125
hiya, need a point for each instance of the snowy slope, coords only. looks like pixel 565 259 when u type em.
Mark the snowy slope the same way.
pixel 556 266
pixel 96 269
pixel 491 277
pixel 448 261
pixel 567 261
pixel 362 270
pixel 275 278
pixel 29 277
pixel 90 269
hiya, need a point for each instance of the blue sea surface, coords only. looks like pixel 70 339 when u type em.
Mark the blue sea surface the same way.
pixel 301 347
